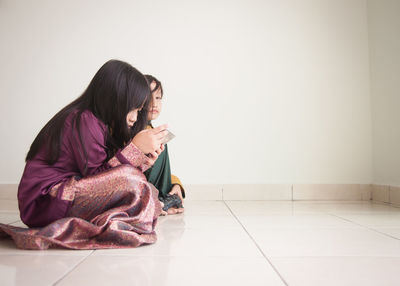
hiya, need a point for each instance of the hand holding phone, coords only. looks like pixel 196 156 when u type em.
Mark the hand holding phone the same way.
pixel 168 137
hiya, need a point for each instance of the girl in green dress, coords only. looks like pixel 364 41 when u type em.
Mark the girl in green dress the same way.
pixel 160 174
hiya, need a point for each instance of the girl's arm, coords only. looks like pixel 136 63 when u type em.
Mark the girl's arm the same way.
pixel 130 155
pixel 93 134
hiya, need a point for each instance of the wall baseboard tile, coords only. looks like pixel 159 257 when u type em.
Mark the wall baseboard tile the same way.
pixel 394 195
pixel 366 192
pixel 332 192
pixel 256 192
pixel 381 193
pixel 273 192
pixel 8 191
pixel 203 192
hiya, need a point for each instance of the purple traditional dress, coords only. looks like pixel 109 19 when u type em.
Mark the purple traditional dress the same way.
pixel 81 204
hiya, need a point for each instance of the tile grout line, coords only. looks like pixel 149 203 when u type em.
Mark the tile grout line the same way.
pixel 364 226
pixel 292 192
pixel 259 248
pixel 76 266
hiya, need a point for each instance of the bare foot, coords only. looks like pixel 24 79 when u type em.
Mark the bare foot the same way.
pixel 172 211
pixel 162 211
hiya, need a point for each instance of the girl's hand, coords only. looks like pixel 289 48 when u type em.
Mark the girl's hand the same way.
pixel 149 141
pixel 176 189
pixel 152 157
pixel 162 211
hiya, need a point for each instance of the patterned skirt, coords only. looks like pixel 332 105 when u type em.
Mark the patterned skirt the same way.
pixel 117 208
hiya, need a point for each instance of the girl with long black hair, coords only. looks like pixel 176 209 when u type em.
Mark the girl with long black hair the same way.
pixel 83 185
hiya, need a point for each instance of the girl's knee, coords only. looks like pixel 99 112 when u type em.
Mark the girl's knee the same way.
pixel 126 170
pixel 131 175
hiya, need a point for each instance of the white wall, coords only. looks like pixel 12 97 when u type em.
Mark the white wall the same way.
pixel 256 91
pixel 384 42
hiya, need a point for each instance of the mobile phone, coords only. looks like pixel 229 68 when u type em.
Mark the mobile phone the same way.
pixel 168 137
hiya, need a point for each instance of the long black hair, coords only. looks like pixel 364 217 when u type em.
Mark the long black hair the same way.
pixel 115 90
pixel 150 79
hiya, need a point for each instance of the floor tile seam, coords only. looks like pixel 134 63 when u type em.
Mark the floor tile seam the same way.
pixel 189 201
pixel 73 268
pixel 38 254
pixel 241 257
pixel 280 213
pixel 214 228
pixel 363 213
pixel 258 200
pixel 182 256
pixel 258 247
pixel 333 256
pixel 304 228
pixel 386 204
pixel 369 228
pixel 15 221
pixel 291 188
pixel 376 215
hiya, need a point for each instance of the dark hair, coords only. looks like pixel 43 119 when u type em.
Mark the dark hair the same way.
pixel 115 90
pixel 151 79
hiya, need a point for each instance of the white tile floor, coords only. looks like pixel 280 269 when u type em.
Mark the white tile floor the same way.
pixel 231 243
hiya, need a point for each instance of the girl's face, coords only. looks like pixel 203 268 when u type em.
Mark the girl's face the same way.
pixel 131 117
pixel 156 103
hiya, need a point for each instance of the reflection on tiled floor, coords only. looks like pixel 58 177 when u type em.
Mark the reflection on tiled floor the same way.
pixel 231 243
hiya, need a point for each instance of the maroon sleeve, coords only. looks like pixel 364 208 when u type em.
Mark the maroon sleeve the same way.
pixel 93 133
pixel 130 155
